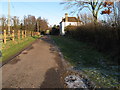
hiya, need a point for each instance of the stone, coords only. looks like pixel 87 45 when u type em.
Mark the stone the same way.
pixel 74 81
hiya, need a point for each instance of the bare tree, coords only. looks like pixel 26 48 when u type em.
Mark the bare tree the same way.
pixel 15 22
pixel 29 22
pixel 85 18
pixel 3 22
pixel 93 5
pixel 118 12
pixel 43 24
pixel 114 18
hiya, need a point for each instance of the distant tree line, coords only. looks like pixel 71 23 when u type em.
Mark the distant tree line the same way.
pixel 28 23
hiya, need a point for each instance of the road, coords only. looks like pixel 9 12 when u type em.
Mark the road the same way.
pixel 39 66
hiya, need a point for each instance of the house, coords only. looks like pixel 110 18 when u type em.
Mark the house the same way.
pixel 73 21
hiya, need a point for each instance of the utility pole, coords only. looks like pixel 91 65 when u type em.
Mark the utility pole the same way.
pixel 8 17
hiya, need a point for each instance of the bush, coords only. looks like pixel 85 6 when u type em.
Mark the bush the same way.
pixel 55 31
pixel 104 38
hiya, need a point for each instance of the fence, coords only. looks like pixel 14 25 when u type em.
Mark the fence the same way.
pixel 16 34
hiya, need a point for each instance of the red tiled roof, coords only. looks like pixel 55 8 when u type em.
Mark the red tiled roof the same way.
pixel 71 19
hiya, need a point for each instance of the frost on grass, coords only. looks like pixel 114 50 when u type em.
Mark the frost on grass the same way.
pixel 74 81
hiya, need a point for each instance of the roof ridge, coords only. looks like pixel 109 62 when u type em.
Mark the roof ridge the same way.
pixel 71 19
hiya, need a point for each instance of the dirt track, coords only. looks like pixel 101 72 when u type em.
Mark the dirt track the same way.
pixel 39 66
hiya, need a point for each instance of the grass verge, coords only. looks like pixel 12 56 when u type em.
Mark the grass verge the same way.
pixel 11 48
pixel 91 62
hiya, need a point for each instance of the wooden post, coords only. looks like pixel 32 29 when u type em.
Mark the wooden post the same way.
pixel 13 38
pixel 18 34
pixel 25 33
pixel 22 34
pixel 28 32
pixel 4 37
pixel 31 33
pixel 39 33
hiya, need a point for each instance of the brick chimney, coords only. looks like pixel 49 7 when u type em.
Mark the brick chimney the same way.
pixel 66 17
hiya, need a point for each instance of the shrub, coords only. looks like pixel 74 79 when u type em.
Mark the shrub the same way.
pixel 104 38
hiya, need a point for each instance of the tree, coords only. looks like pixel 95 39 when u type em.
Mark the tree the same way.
pixel 113 19
pixel 3 22
pixel 86 18
pixel 117 7
pixel 33 24
pixel 55 30
pixel 42 24
pixel 15 22
pixel 93 5
pixel 30 22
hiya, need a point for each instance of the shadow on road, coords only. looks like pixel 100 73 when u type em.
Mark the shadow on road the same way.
pixel 52 79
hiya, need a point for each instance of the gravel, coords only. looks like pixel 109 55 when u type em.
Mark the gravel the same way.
pixel 74 81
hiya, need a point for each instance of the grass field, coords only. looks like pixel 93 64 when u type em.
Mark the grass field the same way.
pixel 91 62
pixel 11 48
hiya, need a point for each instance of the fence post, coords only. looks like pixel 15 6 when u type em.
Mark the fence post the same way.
pixel 4 37
pixel 28 32
pixel 22 34
pixel 13 35
pixel 31 33
pixel 18 34
pixel 25 33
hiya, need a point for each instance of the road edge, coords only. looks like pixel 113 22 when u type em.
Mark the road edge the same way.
pixel 13 56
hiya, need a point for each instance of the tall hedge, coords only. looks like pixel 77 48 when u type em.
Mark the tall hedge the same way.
pixel 104 38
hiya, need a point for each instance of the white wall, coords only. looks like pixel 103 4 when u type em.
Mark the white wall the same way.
pixel 64 24
pixel 71 23
pixel 62 32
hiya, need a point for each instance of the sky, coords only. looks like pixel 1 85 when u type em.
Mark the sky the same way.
pixel 51 10
pixel 33 0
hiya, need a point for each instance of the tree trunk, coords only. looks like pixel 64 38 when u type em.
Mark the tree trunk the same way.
pixel 95 18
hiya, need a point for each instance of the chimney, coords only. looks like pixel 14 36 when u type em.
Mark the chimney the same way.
pixel 66 17
pixel 62 18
